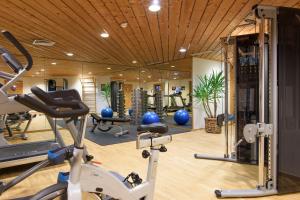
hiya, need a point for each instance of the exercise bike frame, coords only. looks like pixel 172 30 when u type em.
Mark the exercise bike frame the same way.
pixel 91 178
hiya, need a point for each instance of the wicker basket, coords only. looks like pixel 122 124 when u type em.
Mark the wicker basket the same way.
pixel 211 126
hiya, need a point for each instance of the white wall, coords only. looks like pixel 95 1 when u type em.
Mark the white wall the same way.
pixel 200 68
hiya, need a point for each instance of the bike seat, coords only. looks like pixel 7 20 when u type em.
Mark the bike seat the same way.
pixel 153 128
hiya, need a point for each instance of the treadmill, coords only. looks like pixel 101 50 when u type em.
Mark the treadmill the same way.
pixel 19 154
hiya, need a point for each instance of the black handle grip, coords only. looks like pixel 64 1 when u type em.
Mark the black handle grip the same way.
pixel 20 47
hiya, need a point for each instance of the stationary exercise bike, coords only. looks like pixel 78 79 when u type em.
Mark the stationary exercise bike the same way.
pixel 87 176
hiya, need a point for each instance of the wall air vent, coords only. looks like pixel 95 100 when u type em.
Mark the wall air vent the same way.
pixel 47 43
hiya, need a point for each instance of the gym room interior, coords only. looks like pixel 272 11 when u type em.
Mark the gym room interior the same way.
pixel 150 99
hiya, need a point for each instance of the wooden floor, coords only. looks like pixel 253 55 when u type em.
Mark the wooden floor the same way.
pixel 180 176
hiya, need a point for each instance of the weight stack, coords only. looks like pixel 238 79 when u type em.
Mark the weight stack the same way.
pixel 158 102
pixel 121 104
pixel 137 114
pixel 144 101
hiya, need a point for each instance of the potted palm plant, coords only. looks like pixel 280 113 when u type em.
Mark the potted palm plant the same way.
pixel 106 92
pixel 208 92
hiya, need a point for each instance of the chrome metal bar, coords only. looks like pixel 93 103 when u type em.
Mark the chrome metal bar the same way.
pixel 274 100
pixel 226 100
pixel 262 82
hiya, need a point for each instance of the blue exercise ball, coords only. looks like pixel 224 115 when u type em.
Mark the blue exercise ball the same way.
pixel 181 117
pixel 150 118
pixel 130 111
pixel 107 112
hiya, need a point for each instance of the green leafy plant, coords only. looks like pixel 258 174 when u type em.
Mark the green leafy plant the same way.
pixel 209 91
pixel 106 92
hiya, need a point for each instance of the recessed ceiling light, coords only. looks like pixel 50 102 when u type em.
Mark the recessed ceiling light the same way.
pixel 143 71
pixel 42 70
pixel 154 7
pixel 108 68
pixel 149 76
pixel 37 73
pixel 90 73
pixel 172 66
pixel 124 25
pixel 134 61
pixel 138 78
pixel 70 54
pixel 182 50
pixel 53 63
pixel 104 34
pixel 120 74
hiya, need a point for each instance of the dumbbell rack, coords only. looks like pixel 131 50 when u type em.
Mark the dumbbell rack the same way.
pixel 121 104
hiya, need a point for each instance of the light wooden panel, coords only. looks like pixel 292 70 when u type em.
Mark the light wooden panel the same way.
pixel 180 176
pixel 150 38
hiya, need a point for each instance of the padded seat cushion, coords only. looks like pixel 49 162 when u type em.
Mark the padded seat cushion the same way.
pixel 153 128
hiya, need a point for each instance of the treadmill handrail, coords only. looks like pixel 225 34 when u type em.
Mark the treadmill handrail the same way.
pixel 13 62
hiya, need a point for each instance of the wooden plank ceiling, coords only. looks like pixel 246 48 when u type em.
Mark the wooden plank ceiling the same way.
pixel 152 39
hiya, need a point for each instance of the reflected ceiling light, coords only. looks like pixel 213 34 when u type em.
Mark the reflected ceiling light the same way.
pixel 70 54
pixel 172 66
pixel 182 50
pixel 124 25
pixel 53 63
pixel 155 6
pixel 108 68
pixel 134 61
pixel 104 34
pixel 42 70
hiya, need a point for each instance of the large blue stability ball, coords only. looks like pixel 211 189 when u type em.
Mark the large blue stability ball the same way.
pixel 181 117
pixel 130 111
pixel 150 118
pixel 107 112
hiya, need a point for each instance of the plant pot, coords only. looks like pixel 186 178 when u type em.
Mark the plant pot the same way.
pixel 211 126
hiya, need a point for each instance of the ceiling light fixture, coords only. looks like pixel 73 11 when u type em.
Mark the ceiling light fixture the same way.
pixel 174 78
pixel 149 76
pixel 70 54
pixel 37 73
pixel 155 6
pixel 42 70
pixel 182 50
pixel 120 74
pixel 143 71
pixel 104 34
pixel 134 61
pixel 124 25
pixel 172 66
pixel 53 63
pixel 176 73
pixel 108 68
pixel 138 78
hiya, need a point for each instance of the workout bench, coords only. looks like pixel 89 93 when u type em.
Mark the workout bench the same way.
pixel 100 124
